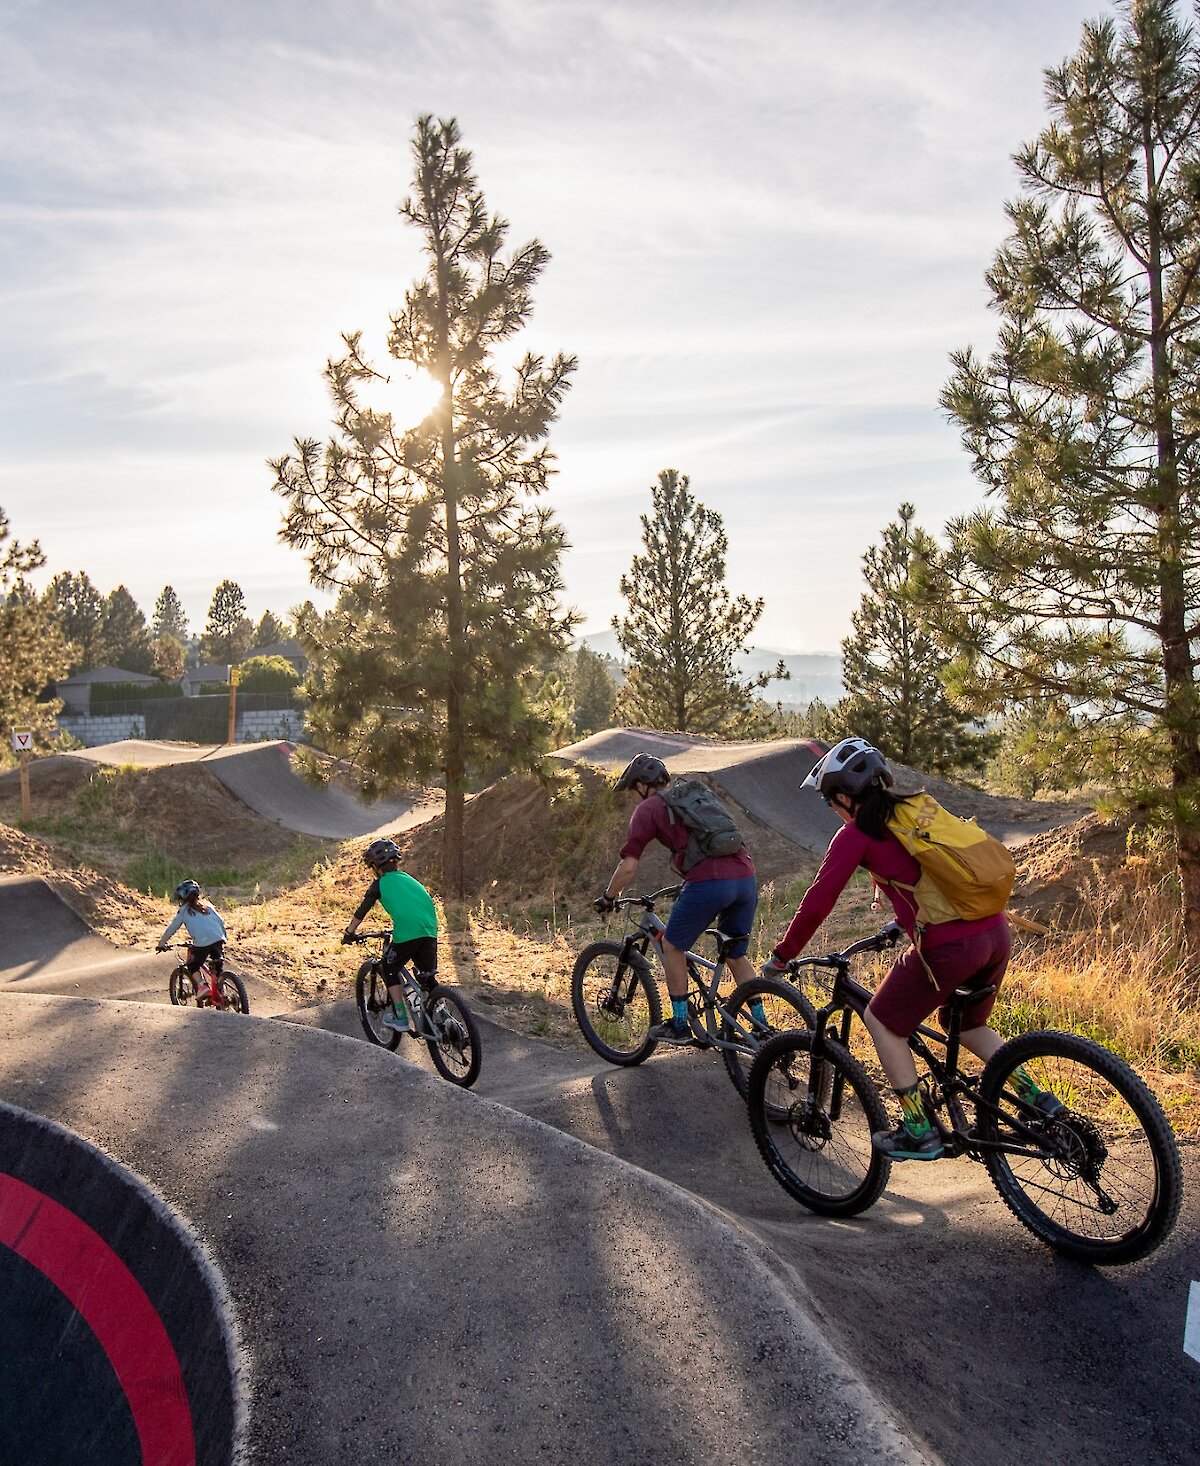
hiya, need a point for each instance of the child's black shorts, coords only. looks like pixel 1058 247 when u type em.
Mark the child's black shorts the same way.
pixel 419 953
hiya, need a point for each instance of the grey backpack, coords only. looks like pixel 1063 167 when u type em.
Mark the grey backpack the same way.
pixel 711 830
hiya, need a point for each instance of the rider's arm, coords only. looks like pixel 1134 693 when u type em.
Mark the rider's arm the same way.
pixel 364 906
pixel 621 877
pixel 842 859
pixel 172 928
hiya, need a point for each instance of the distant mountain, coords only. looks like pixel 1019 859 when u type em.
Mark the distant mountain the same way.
pixel 812 676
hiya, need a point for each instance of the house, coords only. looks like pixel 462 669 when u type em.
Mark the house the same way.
pixel 76 691
pixel 213 674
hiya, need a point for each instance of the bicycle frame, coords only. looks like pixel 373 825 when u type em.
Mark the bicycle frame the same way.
pixel 949 1084
pixel 211 989
pixel 705 1007
pixel 414 995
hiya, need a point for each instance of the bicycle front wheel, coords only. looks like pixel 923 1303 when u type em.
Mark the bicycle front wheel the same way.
pixel 783 1007
pixel 182 988
pixel 813 1114
pixel 455 1048
pixel 233 990
pixel 615 1001
pixel 371 995
pixel 1100 1180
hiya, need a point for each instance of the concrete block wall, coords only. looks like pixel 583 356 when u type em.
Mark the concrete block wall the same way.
pixel 92 729
pixel 255 726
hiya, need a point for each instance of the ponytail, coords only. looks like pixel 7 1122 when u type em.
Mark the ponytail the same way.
pixel 875 809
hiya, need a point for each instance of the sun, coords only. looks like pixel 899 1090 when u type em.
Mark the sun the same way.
pixel 409 395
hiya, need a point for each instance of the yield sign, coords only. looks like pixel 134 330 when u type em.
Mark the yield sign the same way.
pixel 22 740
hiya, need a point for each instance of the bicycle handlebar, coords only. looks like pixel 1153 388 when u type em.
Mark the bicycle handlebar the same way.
pixel 649 899
pixel 881 941
pixel 366 937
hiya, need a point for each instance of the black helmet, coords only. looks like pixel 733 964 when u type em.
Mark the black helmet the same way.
pixel 848 768
pixel 185 890
pixel 643 768
pixel 381 852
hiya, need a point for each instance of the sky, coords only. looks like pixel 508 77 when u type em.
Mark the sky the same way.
pixel 768 223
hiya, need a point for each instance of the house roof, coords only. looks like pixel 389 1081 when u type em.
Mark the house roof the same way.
pixel 103 674
pixel 210 672
pixel 287 649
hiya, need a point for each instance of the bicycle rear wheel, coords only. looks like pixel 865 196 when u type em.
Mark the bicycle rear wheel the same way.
pixel 455 1050
pixel 182 988
pixel 233 990
pixel 1104 1184
pixel 784 1007
pixel 371 995
pixel 813 1115
pixel 615 1001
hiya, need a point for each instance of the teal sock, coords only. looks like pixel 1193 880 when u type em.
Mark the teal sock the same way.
pixel 756 1011
pixel 679 1012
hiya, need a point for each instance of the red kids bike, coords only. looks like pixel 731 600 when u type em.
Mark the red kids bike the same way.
pixel 207 988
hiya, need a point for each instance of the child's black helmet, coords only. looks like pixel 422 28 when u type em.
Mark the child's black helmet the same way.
pixel 381 852
pixel 643 768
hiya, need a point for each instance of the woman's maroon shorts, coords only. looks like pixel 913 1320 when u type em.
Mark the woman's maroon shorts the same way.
pixel 906 996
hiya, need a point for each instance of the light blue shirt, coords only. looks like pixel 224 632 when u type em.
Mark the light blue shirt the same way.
pixel 203 927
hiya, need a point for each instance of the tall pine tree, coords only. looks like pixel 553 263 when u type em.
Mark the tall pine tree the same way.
pixel 446 563
pixel 125 637
pixel 169 617
pixel 228 631
pixel 33 649
pixel 81 616
pixel 892 665
pixel 683 631
pixel 1080 579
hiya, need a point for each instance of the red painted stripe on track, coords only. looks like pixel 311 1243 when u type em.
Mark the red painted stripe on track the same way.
pixel 106 1295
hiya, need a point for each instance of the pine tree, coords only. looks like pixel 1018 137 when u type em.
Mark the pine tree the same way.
pixel 33 651
pixel 683 631
pixel 270 630
pixel 169 618
pixel 228 631
pixel 1080 579
pixel 594 692
pixel 125 637
pixel 892 666
pixel 81 615
pixel 169 656
pixel 447 566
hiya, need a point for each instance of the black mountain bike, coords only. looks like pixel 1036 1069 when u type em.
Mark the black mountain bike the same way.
pixel 616 1001
pixel 437 1014
pixel 1093 1172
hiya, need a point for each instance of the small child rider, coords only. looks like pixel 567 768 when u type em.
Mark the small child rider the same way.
pixel 205 929
pixel 414 925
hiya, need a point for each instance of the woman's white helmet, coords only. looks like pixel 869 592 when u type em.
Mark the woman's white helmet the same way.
pixel 849 767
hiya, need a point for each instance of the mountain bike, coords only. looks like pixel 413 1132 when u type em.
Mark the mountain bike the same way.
pixel 438 1015
pixel 206 988
pixel 1089 1164
pixel 616 1001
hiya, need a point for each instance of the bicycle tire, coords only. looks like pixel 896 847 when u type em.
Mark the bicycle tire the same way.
pixel 458 1051
pixel 780 1000
pixel 826 1164
pixel 182 988
pixel 233 990
pixel 1111 1146
pixel 371 995
pixel 620 1034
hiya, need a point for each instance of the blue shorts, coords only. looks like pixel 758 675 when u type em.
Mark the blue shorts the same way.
pixel 729 905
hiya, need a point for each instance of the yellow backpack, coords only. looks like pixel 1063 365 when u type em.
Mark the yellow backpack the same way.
pixel 965 872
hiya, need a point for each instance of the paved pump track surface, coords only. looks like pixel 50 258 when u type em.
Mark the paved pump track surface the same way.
pixel 261 775
pixel 571 1263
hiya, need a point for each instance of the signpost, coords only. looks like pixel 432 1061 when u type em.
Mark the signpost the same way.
pixel 23 746
pixel 233 681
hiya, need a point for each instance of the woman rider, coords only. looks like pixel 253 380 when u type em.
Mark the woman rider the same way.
pixel 856 783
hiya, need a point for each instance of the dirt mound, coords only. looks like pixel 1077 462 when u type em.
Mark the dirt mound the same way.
pixel 522 837
pixel 179 808
pixel 1061 873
